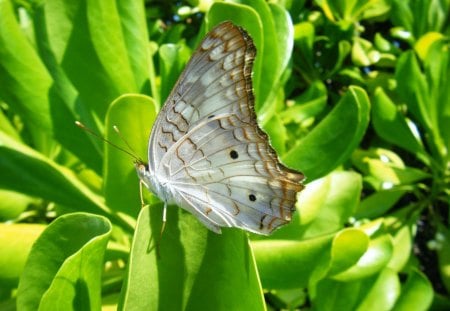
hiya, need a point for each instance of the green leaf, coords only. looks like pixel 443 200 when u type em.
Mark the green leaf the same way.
pixel 27 171
pixel 277 133
pixel 371 262
pixel 402 239
pixel 172 58
pixel 285 33
pixel 331 142
pixel 63 271
pixel 13 204
pixel 417 293
pixel 92 38
pixel 383 293
pixel 392 126
pixel 363 53
pixel 334 295
pixel 197 269
pixel 347 248
pixel 437 67
pixel 380 202
pixel 327 203
pixel 133 115
pixel 413 89
pixel 304 36
pixel 135 36
pixel 28 88
pixel 391 174
pixel 24 79
pixel 16 241
pixel 284 264
pixel 307 105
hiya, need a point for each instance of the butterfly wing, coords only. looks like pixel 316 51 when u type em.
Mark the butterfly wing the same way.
pixel 217 79
pixel 207 150
pixel 225 171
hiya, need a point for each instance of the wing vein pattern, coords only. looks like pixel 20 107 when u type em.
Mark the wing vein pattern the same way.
pixel 207 153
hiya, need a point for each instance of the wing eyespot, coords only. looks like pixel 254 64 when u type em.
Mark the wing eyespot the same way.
pixel 234 154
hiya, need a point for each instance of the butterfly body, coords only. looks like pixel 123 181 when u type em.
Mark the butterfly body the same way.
pixel 206 151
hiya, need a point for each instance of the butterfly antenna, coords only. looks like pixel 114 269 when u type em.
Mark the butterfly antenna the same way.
pixel 116 129
pixel 130 152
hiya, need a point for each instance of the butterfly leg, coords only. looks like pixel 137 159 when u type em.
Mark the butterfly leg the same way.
pixel 141 195
pixel 163 226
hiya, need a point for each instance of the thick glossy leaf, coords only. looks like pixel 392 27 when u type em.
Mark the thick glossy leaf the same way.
pixel 443 253
pixel 331 142
pixel 417 293
pixel 323 206
pixel 63 271
pixel 375 293
pixel 97 64
pixel 375 259
pixel 308 105
pixel 28 88
pixel 402 241
pixel 196 270
pixel 135 36
pixel 363 53
pixel 413 90
pixel 24 79
pixel 105 29
pixel 392 174
pixel 337 195
pixel 13 204
pixel 7 127
pixel 347 248
pixel 304 36
pixel 285 34
pixel 277 133
pixel 133 115
pixel 383 292
pixel 16 241
pixel 284 264
pixel 424 43
pixel 380 202
pixel 392 126
pixel 27 171
pixel 437 67
pixel 334 295
pixel 172 58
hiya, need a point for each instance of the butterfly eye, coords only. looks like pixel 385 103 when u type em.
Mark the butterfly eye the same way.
pixel 142 167
pixel 234 155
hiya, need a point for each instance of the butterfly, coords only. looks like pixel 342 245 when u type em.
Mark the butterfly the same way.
pixel 206 151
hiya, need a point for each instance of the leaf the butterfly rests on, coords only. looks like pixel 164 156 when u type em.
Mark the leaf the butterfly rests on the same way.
pixel 207 153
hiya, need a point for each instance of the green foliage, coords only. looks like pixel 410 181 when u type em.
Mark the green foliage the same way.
pixel 352 93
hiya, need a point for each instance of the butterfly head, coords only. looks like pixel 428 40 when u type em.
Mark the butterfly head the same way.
pixel 142 170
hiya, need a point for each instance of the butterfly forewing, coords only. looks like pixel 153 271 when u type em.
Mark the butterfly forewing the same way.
pixel 206 151
pixel 216 80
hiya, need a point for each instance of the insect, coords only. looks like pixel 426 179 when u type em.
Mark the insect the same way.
pixel 206 151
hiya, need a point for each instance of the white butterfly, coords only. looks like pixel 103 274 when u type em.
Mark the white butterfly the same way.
pixel 206 151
